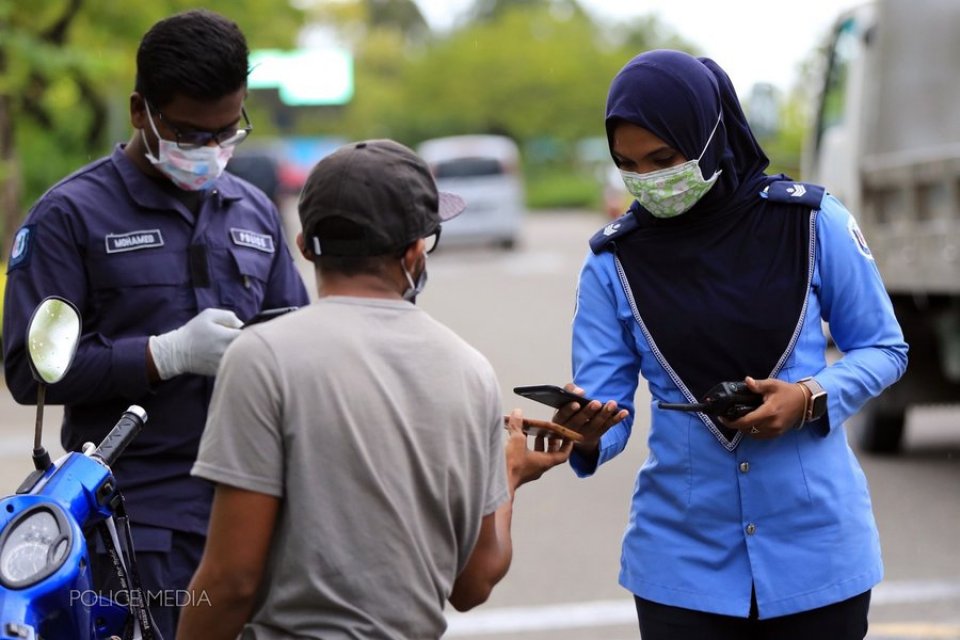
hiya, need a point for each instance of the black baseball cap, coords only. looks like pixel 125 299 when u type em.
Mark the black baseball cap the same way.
pixel 370 198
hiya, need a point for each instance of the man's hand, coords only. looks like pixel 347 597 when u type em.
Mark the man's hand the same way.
pixel 197 346
pixel 524 464
pixel 592 420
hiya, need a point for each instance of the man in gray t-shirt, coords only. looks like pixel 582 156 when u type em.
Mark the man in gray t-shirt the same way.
pixel 358 444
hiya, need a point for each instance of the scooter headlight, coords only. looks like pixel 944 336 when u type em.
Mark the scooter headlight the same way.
pixel 33 546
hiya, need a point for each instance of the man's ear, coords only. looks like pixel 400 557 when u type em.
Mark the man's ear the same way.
pixel 305 251
pixel 138 111
pixel 411 257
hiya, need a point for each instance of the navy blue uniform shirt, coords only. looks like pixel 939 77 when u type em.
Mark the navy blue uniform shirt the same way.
pixel 137 262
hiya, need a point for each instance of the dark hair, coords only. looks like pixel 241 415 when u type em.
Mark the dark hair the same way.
pixel 346 230
pixel 198 54
pixel 354 265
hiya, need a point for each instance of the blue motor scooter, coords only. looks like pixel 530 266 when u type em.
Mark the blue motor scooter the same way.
pixel 46 591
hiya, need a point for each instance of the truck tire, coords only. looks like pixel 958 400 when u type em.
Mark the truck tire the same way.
pixel 879 427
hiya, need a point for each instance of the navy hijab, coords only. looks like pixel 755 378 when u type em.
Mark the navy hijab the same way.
pixel 679 98
pixel 720 289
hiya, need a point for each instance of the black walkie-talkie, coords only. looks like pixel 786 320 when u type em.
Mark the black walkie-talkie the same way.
pixel 728 400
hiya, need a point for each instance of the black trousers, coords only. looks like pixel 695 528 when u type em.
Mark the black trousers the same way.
pixel 166 560
pixel 845 620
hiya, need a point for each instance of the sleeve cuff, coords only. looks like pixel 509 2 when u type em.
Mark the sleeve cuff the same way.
pixel 820 426
pixel 129 362
pixel 583 466
pixel 236 479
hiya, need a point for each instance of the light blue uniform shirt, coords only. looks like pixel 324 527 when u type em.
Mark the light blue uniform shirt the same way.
pixel 790 516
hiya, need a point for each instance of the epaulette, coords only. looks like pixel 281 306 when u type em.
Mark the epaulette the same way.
pixel 603 239
pixel 790 192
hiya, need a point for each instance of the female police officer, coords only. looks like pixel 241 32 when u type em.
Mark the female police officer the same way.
pixel 761 526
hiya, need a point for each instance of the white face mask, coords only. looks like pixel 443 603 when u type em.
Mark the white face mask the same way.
pixel 415 288
pixel 669 192
pixel 189 169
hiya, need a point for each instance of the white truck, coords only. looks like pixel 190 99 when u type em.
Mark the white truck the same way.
pixel 886 141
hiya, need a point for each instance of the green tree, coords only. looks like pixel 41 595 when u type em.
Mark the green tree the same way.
pixel 400 14
pixel 524 74
pixel 351 21
pixel 66 70
pixel 527 68
pixel 647 32
pixel 382 35
pixel 491 10
pixel 538 72
pixel 785 146
pixel 529 72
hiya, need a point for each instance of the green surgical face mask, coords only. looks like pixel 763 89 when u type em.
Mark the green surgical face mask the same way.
pixel 669 192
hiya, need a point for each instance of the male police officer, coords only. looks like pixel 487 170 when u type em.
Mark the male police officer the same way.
pixel 166 257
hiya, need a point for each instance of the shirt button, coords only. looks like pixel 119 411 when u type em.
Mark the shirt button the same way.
pixel 744 467
pixel 751 529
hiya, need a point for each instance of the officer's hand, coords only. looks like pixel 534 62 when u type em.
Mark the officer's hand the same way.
pixel 197 346
pixel 782 409
pixel 592 420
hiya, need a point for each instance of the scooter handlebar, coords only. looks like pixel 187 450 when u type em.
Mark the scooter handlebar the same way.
pixel 122 434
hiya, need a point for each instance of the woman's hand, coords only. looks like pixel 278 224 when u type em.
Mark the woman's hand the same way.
pixel 592 420
pixel 783 408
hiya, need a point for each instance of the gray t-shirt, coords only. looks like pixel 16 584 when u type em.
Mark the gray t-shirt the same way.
pixel 382 432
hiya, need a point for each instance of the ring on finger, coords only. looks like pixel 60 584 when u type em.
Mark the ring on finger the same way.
pixel 754 429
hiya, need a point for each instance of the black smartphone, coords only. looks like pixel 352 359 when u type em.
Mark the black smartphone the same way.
pixel 551 395
pixel 269 314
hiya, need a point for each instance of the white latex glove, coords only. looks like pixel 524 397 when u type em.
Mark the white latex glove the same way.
pixel 197 346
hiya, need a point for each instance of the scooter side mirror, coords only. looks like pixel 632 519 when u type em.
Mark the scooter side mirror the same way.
pixel 52 338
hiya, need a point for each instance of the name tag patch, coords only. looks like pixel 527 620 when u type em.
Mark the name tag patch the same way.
pixel 134 240
pixel 252 239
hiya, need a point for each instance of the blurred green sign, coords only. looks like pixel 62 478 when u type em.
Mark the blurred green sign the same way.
pixel 304 77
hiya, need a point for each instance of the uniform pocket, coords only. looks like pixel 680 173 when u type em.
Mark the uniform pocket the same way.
pixel 139 293
pixel 139 270
pixel 252 264
pixel 244 288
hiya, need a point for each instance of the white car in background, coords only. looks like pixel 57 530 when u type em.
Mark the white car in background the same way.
pixel 485 171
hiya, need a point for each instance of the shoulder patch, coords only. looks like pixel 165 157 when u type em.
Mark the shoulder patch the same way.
pixel 22 248
pixel 603 239
pixel 858 239
pixel 790 192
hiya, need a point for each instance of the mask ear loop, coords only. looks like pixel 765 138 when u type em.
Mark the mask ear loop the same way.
pixel 149 153
pixel 707 146
pixel 409 277
pixel 415 288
